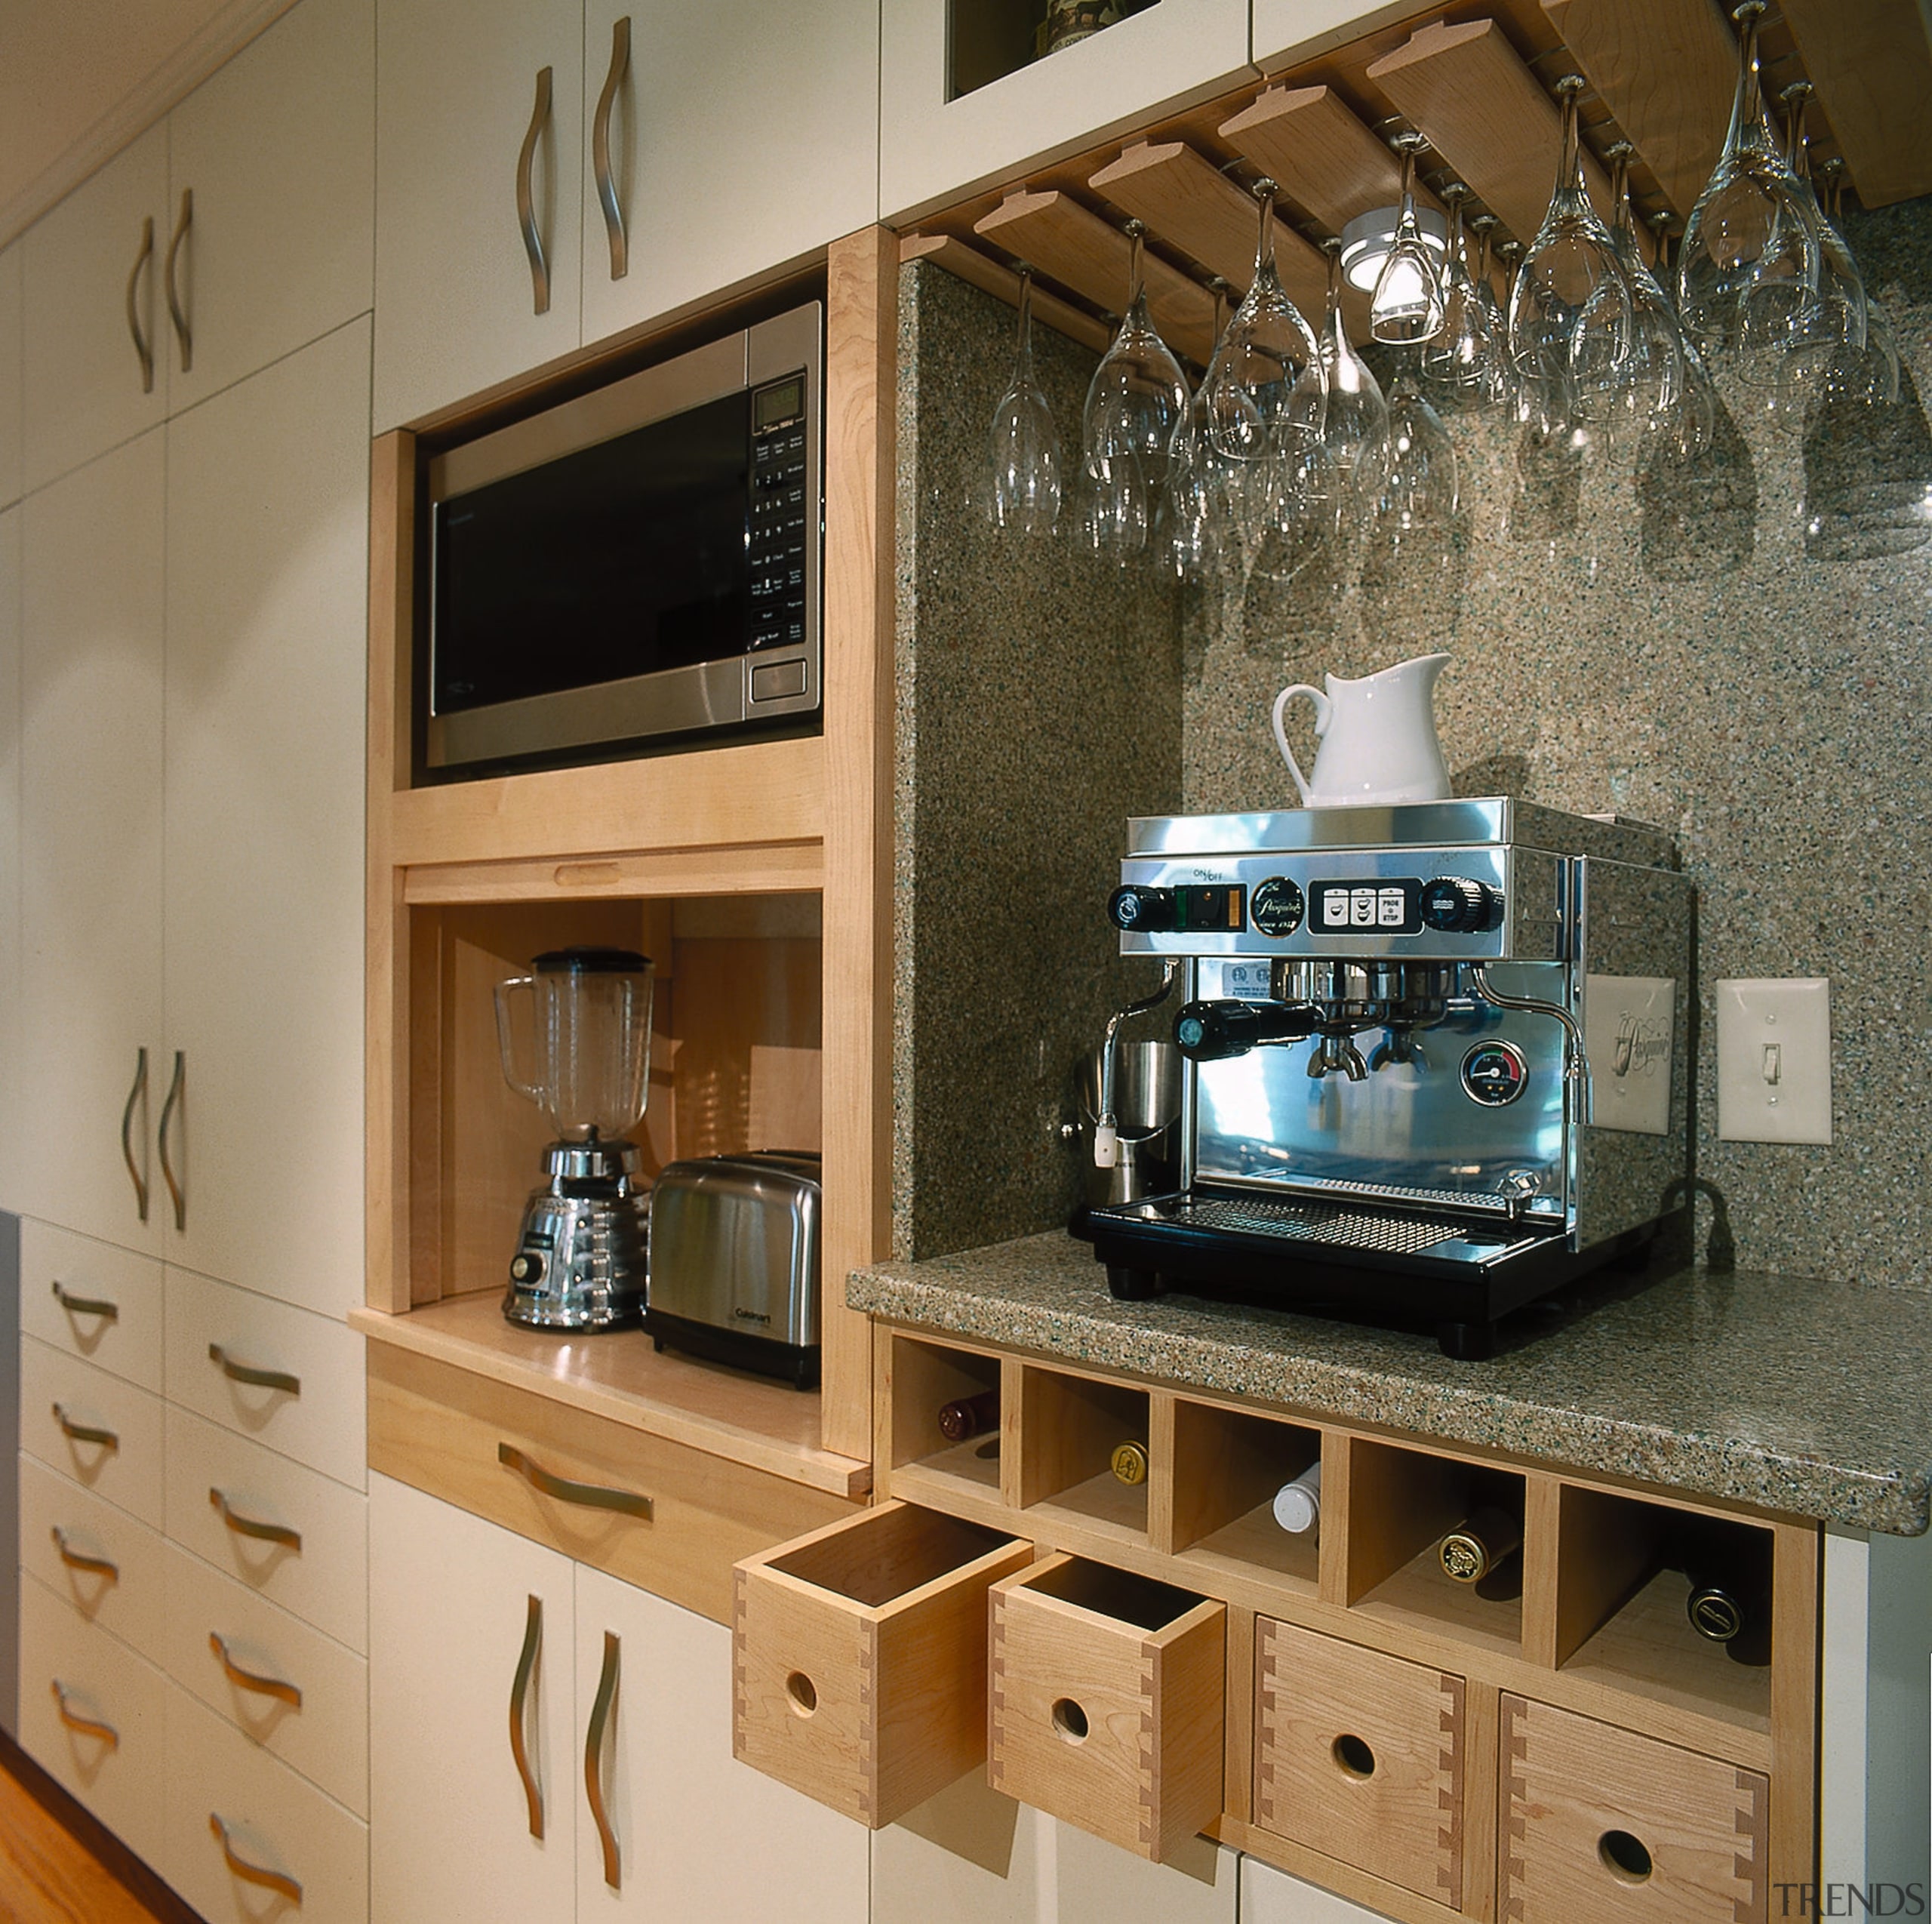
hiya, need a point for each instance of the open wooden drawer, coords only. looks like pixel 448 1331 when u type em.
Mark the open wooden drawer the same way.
pixel 859 1657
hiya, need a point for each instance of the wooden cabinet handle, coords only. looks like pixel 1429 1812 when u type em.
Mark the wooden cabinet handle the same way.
pixel 279 1882
pixel 278 1688
pixel 142 346
pixel 593 1761
pixel 86 1306
pixel 176 312
pixel 526 1667
pixel 600 148
pixel 247 1526
pixel 175 1189
pixel 526 203
pixel 593 1496
pixel 87 1726
pixel 263 1379
pixel 95 1566
pixel 138 1176
pixel 84 1432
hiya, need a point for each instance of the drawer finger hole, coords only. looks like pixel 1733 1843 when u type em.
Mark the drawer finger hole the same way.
pixel 1070 1720
pixel 1625 1857
pixel 1352 1756
pixel 802 1693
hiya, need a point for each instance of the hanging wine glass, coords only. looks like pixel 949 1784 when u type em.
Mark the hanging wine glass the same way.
pixel 1355 432
pixel 1411 573
pixel 1198 511
pixel 1837 318
pixel 1749 265
pixel 1658 392
pixel 1876 372
pixel 1419 485
pixel 1569 310
pixel 1406 306
pixel 1137 395
pixel 1453 363
pixel 1489 325
pixel 1026 446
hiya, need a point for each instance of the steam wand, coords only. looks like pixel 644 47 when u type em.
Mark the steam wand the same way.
pixel 1106 1129
pixel 1575 1059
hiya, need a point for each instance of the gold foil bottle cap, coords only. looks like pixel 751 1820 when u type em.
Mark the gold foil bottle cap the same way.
pixel 1130 1462
pixel 1464 1557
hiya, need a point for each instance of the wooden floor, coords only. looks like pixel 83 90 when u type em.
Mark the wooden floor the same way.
pixel 47 1877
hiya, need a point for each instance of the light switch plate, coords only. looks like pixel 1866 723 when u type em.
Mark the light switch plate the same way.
pixel 1774 1059
pixel 1627 1034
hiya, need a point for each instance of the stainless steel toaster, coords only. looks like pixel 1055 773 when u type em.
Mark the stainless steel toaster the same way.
pixel 734 1261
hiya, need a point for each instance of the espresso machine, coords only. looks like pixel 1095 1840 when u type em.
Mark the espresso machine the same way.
pixel 1435 1057
pixel 583 1255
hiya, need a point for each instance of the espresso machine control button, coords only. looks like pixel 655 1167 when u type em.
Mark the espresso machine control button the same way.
pixel 1212 1032
pixel 1144 911
pixel 1276 907
pixel 1455 905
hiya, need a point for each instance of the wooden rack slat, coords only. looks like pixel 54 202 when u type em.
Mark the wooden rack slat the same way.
pixel 990 276
pixel 1872 67
pixel 1666 70
pixel 1075 247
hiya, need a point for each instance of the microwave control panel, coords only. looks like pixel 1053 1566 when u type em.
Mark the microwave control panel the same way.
pixel 779 494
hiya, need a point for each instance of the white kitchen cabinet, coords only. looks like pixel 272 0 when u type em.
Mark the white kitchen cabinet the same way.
pixel 10 374
pixel 934 147
pixel 1268 1896
pixel 10 855
pixel 93 314
pixel 741 136
pixel 90 837
pixel 267 545
pixel 457 86
pixel 277 149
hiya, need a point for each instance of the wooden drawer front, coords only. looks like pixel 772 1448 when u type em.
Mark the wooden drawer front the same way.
pixel 1359 1755
pixel 118 1778
pixel 1106 1702
pixel 126 1472
pixel 443 1429
pixel 324 1732
pixel 94 1278
pixel 1600 1823
pixel 277 1825
pixel 859 1658
pixel 318 1422
pixel 326 1580
pixel 127 1601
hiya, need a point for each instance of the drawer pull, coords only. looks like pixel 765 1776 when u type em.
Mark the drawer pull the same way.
pixel 244 1679
pixel 263 1379
pixel 526 1665
pixel 247 1526
pixel 84 1432
pixel 593 1496
pixel 593 1760
pixel 279 1882
pixel 87 1726
pixel 87 1305
pixel 95 1566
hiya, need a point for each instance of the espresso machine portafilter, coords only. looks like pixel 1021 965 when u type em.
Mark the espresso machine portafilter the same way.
pixel 1430 1062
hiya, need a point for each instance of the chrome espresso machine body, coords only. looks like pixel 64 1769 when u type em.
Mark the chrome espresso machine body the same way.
pixel 1436 1056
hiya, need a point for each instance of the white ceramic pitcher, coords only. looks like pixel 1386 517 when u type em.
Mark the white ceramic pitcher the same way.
pixel 1378 735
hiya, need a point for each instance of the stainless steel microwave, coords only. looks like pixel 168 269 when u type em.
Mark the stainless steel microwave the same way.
pixel 639 563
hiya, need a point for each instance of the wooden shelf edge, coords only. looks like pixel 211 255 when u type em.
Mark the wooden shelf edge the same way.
pixel 742 1419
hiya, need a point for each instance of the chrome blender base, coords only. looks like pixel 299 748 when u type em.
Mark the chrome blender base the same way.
pixel 582 1260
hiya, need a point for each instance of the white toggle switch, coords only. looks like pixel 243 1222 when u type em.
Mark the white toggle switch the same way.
pixel 1774 1061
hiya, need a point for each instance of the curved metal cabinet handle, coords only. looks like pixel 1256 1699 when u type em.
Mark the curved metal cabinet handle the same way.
pixel 175 311
pixel 593 1760
pixel 593 1496
pixel 600 148
pixel 526 1667
pixel 247 1526
pixel 95 1566
pixel 262 1379
pixel 86 1306
pixel 526 204
pixel 84 1432
pixel 282 1885
pixel 138 1176
pixel 87 1726
pixel 141 346
pixel 167 1109
pixel 246 1679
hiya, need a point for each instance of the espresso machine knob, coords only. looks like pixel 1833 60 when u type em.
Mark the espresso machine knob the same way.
pixel 1144 911
pixel 1456 905
pixel 1211 1032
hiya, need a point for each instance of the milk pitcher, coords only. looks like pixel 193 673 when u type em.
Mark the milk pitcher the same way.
pixel 1378 736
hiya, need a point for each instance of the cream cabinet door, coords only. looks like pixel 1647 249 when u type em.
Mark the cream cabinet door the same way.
pixel 277 151
pixel 1268 1896
pixel 267 546
pixel 92 301
pixel 934 147
pixel 10 374
pixel 743 136
pixel 10 845
pixel 91 846
pixel 456 90
pixel 457 1605
pixel 1286 32
pixel 689 1831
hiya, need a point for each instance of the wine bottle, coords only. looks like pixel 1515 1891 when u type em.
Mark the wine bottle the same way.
pixel 1730 1602
pixel 1129 1461
pixel 966 1416
pixel 1298 1504
pixel 1474 1548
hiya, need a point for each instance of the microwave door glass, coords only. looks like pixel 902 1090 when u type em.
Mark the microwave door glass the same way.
pixel 620 560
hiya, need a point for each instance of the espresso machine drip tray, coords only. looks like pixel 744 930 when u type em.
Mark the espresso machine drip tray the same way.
pixel 1354 1229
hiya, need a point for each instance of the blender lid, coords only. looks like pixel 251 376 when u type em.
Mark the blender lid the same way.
pixel 592 962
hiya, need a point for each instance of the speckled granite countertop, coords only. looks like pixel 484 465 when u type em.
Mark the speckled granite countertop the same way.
pixel 1810 1397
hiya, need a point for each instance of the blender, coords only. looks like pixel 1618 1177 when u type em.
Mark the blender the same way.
pixel 581 1260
